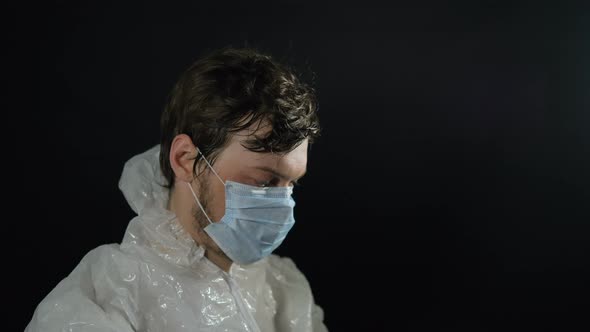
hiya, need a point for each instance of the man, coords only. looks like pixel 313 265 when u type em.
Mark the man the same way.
pixel 213 201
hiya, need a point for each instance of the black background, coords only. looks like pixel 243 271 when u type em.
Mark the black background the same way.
pixel 448 192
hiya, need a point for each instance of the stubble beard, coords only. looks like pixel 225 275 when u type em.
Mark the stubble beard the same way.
pixel 201 221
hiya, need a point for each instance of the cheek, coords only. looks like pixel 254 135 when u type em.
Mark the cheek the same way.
pixel 217 202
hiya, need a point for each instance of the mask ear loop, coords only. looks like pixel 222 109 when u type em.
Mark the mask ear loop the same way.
pixel 201 206
pixel 192 190
pixel 211 167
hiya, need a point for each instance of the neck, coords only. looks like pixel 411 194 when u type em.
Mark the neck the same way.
pixel 218 259
pixel 182 207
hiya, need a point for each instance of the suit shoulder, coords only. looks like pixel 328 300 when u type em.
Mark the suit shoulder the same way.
pixel 285 269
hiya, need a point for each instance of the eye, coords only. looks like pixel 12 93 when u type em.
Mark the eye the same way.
pixel 264 184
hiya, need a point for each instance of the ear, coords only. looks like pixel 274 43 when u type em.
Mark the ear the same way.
pixel 182 157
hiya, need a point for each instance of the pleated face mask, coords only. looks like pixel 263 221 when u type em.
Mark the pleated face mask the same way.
pixel 256 220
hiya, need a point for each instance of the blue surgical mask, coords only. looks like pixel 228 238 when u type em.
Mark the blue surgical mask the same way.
pixel 256 220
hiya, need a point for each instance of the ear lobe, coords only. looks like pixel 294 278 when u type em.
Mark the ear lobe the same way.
pixel 182 157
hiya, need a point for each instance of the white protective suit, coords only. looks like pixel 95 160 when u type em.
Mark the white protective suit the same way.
pixel 157 279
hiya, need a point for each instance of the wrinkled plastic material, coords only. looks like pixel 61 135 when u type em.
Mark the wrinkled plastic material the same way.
pixel 158 279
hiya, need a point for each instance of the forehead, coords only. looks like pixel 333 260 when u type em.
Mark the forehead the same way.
pixel 236 149
pixel 294 161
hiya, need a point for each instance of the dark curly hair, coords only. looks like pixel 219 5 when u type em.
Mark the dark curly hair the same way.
pixel 229 90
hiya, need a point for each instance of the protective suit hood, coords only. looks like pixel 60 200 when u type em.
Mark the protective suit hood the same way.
pixel 142 182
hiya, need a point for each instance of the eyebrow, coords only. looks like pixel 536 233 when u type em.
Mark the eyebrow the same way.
pixel 278 174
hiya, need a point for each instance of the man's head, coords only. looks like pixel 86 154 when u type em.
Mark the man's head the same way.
pixel 249 116
pixel 231 90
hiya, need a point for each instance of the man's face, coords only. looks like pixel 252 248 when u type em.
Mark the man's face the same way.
pixel 238 164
